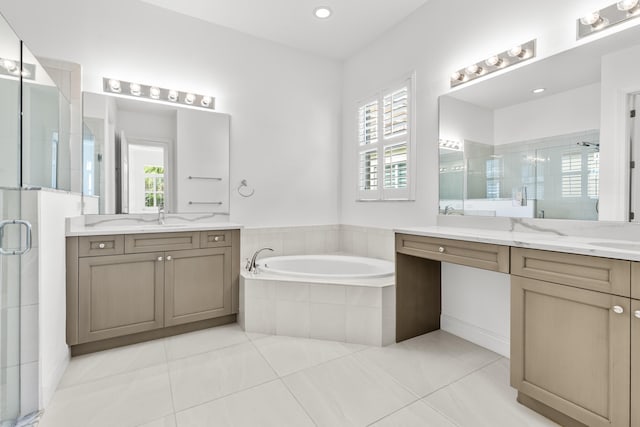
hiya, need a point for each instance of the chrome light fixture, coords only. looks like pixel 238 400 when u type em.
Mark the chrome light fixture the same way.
pixel 609 16
pixel 515 55
pixel 155 93
pixel 447 144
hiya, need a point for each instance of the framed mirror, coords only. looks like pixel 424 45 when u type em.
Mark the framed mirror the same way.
pixel 140 156
pixel 539 141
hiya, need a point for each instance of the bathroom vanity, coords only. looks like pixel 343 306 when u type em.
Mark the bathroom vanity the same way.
pixel 575 314
pixel 130 284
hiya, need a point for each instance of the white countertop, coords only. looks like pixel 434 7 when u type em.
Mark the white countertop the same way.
pixel 124 224
pixel 600 247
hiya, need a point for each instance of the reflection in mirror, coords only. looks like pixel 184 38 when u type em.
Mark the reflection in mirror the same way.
pixel 507 149
pixel 140 156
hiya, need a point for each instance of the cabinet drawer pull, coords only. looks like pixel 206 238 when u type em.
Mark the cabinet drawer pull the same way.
pixel 168 257
pixel 101 245
pixel 216 239
pixel 637 314
pixel 441 249
pixel 160 258
pixel 617 309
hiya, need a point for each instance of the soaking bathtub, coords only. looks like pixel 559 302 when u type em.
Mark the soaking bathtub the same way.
pixel 333 297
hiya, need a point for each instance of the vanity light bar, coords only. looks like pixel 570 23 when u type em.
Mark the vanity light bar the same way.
pixel 10 67
pixel 446 144
pixel 607 17
pixel 137 90
pixel 515 55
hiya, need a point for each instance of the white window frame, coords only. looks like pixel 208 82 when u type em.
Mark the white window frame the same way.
pixel 381 193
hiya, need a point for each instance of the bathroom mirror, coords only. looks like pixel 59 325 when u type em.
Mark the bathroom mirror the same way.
pixel 139 156
pixel 527 142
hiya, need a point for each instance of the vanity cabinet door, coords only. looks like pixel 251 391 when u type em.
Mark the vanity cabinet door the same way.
pixel 197 285
pixel 570 350
pixel 119 295
pixel 635 362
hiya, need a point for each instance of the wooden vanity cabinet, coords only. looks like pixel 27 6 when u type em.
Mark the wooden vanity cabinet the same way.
pixel 119 295
pixel 571 351
pixel 197 285
pixel 149 282
pixel 571 355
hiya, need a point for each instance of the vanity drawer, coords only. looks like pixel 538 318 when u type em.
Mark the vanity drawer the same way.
pixel 473 254
pixel 587 272
pixel 101 245
pixel 215 238
pixel 156 242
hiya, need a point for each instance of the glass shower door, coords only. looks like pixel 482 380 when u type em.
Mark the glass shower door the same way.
pixel 10 234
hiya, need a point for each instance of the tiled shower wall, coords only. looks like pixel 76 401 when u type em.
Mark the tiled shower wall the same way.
pixel 321 239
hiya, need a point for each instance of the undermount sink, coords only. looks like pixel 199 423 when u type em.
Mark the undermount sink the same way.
pixel 627 246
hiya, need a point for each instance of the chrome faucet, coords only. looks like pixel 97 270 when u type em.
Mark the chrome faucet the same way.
pixel 251 264
pixel 161 214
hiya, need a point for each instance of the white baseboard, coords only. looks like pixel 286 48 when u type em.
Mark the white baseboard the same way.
pixel 476 335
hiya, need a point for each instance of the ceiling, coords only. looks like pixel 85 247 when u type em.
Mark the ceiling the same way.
pixel 353 24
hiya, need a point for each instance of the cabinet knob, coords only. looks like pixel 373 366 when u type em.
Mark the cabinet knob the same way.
pixel 216 239
pixel 441 249
pixel 617 309
pixel 168 257
pixel 160 258
pixel 636 314
pixel 101 245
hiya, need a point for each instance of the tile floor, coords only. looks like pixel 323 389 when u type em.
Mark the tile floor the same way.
pixel 225 377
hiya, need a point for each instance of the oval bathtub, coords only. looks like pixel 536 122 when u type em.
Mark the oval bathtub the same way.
pixel 328 266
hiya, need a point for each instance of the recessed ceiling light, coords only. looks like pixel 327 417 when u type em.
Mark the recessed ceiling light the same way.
pixel 322 12
pixel 538 90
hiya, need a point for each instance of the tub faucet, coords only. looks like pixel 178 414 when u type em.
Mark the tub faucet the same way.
pixel 251 264
pixel 161 214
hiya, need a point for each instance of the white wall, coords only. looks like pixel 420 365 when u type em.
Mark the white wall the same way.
pixel 559 114
pixel 285 104
pixel 53 208
pixel 206 156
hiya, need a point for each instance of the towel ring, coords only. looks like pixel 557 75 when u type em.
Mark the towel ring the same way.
pixel 245 193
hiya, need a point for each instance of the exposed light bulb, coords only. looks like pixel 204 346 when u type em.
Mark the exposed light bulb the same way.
pixel 474 69
pixel 173 95
pixel 26 73
pixel 517 52
pixel 9 65
pixel 206 101
pixel 154 92
pixel 494 61
pixel 628 5
pixel 189 98
pixel 135 89
pixel 114 85
pixel 322 12
pixel 457 76
pixel 592 19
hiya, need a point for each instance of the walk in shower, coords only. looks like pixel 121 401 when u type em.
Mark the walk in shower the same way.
pixel 34 154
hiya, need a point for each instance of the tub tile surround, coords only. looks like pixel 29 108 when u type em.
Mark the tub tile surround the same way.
pixel 345 313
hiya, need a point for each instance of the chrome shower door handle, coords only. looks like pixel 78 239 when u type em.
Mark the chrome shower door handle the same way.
pixel 22 223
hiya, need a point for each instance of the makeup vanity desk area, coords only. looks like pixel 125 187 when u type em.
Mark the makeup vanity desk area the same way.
pixel 575 314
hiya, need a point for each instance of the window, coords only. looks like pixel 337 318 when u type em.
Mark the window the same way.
pixel 494 176
pixel 153 186
pixel 386 143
